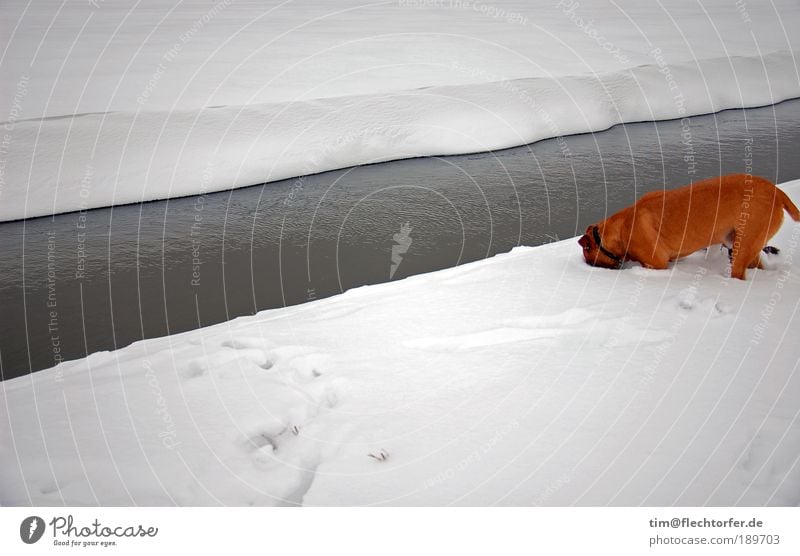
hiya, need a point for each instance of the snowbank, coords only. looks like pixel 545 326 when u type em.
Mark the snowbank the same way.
pixel 222 95
pixel 527 378
pixel 94 160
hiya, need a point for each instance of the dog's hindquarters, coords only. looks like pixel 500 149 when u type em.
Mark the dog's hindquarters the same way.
pixel 752 234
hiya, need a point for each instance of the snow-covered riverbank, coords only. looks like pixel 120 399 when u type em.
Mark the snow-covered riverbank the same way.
pixel 527 378
pixel 203 97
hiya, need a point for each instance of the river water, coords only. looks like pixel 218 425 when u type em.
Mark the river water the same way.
pixel 78 283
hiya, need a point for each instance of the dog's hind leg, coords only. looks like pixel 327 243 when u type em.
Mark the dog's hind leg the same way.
pixel 756 262
pixel 771 227
pixel 745 254
pixel 750 239
pixel 739 264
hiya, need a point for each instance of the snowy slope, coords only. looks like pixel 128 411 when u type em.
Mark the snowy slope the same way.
pixel 103 56
pixel 527 378
pixel 112 102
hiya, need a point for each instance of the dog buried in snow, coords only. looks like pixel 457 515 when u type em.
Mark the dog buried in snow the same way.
pixel 739 211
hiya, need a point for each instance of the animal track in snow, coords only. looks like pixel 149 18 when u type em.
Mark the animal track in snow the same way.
pixel 260 440
pixel 248 342
pixel 229 362
pixel 281 429
pixel 704 306
pixel 309 367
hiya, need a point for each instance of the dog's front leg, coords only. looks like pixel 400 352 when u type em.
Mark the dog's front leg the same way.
pixel 644 246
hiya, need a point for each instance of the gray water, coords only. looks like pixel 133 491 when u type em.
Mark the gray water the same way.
pixel 78 283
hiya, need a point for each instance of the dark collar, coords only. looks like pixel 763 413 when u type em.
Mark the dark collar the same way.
pixel 603 250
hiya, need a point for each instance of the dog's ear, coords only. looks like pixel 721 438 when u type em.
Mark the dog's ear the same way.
pixel 584 241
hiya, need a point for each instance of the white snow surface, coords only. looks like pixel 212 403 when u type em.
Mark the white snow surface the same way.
pixel 529 378
pixel 116 102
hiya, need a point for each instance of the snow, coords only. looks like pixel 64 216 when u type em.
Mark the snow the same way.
pixel 529 378
pixel 117 102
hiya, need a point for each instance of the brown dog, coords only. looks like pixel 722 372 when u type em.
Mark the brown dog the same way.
pixel 739 211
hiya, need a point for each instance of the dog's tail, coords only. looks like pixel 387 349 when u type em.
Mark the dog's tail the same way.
pixel 788 205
